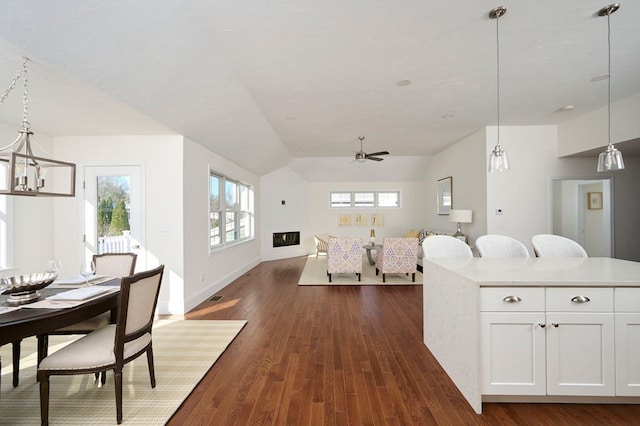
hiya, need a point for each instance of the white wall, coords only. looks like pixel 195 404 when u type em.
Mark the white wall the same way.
pixel 285 185
pixel 466 163
pixel 524 193
pixel 32 217
pixel 161 161
pixel 589 131
pixel 205 273
pixel 324 220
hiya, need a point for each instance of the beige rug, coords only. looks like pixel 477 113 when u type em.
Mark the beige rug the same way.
pixel 183 353
pixel 315 273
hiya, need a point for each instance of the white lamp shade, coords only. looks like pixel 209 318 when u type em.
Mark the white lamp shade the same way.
pixel 460 216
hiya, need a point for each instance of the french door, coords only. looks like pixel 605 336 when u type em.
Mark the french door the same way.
pixel 114 212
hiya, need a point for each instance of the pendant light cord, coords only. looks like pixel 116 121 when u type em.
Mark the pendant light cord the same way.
pixel 609 79
pixel 498 75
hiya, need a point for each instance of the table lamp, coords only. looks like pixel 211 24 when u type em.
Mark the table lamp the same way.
pixel 460 216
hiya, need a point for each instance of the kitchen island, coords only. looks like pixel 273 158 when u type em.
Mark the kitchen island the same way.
pixel 535 329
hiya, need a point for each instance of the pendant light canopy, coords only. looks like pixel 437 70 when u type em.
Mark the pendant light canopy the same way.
pixel 610 159
pixel 498 162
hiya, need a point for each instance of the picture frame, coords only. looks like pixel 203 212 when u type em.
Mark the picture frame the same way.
pixel 445 195
pixel 594 200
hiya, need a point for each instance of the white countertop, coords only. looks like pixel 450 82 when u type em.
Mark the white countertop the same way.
pixel 535 271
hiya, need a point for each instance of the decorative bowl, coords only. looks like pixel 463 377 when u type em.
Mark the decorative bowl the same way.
pixel 24 288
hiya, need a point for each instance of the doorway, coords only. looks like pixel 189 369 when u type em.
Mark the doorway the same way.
pixel 582 210
pixel 113 212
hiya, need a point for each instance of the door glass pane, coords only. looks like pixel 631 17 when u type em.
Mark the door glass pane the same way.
pixel 113 214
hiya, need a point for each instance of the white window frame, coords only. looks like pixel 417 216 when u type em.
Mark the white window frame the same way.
pixel 354 203
pixel 240 207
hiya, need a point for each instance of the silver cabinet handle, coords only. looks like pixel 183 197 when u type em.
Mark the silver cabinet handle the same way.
pixel 542 325
pixel 555 324
pixel 580 299
pixel 511 299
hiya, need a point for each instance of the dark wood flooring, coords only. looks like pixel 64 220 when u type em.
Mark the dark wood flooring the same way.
pixel 342 355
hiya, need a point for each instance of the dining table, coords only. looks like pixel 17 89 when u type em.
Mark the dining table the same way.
pixel 17 324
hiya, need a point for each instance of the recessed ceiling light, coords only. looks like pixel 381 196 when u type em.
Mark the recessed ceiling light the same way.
pixel 600 77
pixel 403 83
pixel 447 116
pixel 566 108
pixel 290 118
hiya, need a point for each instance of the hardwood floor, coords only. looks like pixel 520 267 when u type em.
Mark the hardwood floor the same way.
pixel 342 355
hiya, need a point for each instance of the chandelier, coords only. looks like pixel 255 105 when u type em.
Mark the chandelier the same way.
pixel 23 172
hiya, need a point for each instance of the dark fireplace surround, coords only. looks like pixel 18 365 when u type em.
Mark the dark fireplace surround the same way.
pixel 283 239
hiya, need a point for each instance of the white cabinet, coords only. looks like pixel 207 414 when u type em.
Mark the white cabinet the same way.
pixel 627 337
pixel 553 341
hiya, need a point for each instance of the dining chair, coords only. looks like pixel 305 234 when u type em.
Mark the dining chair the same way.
pixel 437 246
pixel 549 245
pixel 344 256
pixel 397 256
pixel 112 346
pixel 116 265
pixel 494 245
pixel 321 245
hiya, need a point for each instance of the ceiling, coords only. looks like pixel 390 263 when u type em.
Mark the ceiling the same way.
pixel 264 82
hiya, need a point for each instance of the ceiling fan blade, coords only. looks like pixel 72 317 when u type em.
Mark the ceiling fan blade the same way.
pixel 374 158
pixel 378 153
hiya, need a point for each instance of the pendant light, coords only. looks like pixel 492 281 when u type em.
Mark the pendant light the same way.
pixel 610 159
pixel 498 161
pixel 25 171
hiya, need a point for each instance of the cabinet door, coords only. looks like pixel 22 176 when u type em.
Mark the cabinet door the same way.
pixel 627 354
pixel 513 355
pixel 580 354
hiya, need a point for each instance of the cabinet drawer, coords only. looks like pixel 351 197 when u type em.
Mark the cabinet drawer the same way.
pixel 511 299
pixel 580 299
pixel 627 299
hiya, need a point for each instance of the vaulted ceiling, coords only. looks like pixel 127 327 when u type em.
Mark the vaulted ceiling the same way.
pixel 261 82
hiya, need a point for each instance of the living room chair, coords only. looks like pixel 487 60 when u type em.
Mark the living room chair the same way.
pixel 397 256
pixel 321 245
pixel 548 245
pixel 344 256
pixel 494 245
pixel 112 346
pixel 116 265
pixel 437 246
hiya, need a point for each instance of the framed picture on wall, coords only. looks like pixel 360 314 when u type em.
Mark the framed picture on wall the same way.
pixel 445 195
pixel 594 200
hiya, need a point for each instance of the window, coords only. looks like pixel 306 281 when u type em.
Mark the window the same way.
pixel 364 199
pixel 230 216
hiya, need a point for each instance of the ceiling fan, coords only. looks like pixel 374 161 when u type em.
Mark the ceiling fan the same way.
pixel 362 156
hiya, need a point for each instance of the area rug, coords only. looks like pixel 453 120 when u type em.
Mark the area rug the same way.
pixel 315 273
pixel 183 353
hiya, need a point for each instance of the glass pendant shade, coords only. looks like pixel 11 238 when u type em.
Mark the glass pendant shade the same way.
pixel 610 159
pixel 498 161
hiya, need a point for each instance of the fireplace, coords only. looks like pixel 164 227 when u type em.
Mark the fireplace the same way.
pixel 282 239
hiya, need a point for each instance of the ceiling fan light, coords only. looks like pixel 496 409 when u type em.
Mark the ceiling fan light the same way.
pixel 610 159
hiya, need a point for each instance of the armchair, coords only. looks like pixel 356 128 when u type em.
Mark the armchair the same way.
pixel 344 256
pixel 398 256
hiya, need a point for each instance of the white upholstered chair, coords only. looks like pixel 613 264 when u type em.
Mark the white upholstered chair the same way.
pixel 494 245
pixel 112 346
pixel 548 245
pixel 344 256
pixel 436 246
pixel 397 256
pixel 321 245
